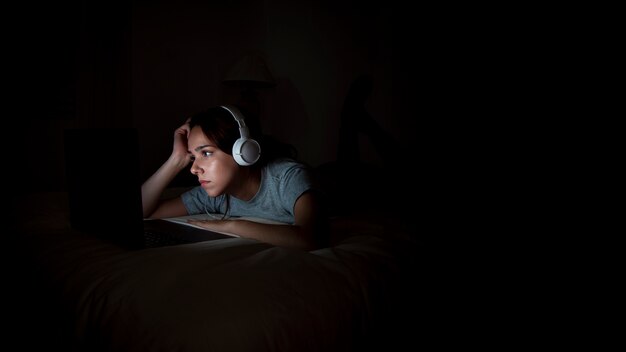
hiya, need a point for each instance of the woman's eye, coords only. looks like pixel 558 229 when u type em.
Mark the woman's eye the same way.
pixel 205 153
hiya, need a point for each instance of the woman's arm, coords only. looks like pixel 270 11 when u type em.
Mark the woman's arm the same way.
pixel 154 186
pixel 157 208
pixel 307 233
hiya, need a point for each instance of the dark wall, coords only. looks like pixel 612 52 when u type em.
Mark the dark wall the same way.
pixel 71 68
pixel 150 64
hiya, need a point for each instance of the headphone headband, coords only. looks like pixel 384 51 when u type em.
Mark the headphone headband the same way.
pixel 246 151
pixel 243 129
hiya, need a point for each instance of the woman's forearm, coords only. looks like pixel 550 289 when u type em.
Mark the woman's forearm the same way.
pixel 291 236
pixel 154 186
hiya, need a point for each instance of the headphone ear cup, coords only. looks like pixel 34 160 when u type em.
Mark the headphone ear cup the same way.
pixel 246 151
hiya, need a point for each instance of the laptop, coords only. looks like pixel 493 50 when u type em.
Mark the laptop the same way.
pixel 102 168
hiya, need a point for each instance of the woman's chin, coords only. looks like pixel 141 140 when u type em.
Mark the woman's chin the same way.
pixel 211 192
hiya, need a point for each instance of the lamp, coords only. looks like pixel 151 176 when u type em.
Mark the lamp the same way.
pixel 250 71
pixel 250 74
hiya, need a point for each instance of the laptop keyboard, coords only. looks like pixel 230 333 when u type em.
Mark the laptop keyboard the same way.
pixel 159 232
pixel 159 239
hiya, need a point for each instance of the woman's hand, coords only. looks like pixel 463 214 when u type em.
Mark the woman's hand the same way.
pixel 152 188
pixel 180 151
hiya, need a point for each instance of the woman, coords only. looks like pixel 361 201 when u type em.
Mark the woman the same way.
pixel 238 177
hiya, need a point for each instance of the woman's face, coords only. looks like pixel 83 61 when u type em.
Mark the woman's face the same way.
pixel 215 169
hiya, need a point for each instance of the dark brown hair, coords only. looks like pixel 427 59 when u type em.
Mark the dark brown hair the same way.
pixel 222 128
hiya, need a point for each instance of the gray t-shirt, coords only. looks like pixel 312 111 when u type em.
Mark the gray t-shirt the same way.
pixel 283 181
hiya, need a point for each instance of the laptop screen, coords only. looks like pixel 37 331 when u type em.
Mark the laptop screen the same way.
pixel 104 183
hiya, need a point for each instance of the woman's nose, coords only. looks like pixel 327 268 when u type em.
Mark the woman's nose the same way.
pixel 195 169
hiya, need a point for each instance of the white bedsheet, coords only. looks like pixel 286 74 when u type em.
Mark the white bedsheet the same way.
pixel 233 294
pixel 222 295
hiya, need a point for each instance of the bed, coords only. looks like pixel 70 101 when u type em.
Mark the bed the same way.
pixel 73 292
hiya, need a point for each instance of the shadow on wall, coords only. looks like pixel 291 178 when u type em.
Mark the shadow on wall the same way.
pixel 353 184
pixel 286 119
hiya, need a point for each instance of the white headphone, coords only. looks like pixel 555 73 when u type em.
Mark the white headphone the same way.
pixel 246 151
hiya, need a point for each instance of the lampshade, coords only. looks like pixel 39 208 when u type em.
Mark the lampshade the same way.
pixel 251 70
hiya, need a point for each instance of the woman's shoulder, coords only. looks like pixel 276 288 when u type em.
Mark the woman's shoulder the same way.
pixel 282 165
